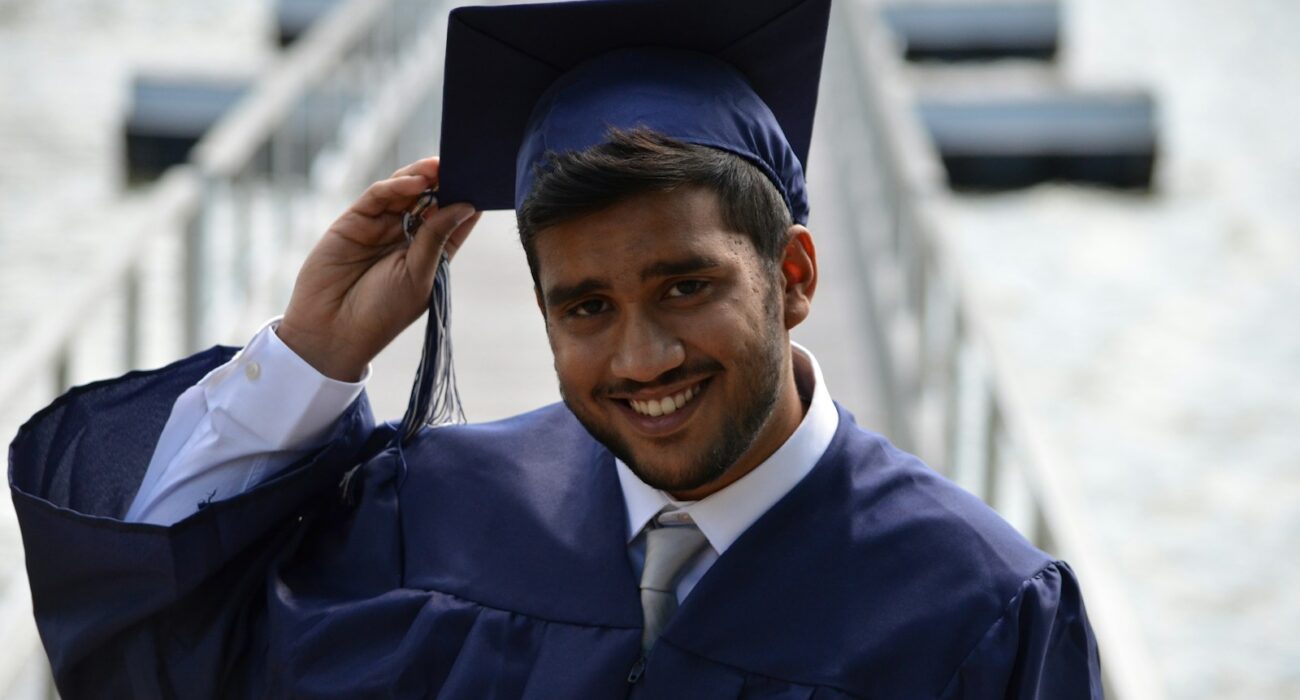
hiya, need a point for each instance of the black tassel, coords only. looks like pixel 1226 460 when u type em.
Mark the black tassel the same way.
pixel 434 397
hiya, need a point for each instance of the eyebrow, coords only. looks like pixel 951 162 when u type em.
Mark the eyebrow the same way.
pixel 560 295
pixel 684 266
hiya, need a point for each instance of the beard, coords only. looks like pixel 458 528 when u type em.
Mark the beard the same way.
pixel 757 375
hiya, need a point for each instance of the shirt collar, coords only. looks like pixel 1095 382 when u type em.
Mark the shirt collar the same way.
pixel 724 515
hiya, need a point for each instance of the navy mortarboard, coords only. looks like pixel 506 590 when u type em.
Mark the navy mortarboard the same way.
pixel 523 80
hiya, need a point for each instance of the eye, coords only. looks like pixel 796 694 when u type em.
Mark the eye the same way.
pixel 590 307
pixel 686 288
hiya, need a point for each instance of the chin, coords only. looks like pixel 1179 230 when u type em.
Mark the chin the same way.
pixel 709 463
pixel 675 480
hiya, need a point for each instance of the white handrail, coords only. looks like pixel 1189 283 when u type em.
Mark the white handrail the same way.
pixel 232 143
pixel 926 262
pixel 376 65
pixel 175 193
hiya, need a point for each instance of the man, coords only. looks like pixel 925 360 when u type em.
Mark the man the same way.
pixel 697 519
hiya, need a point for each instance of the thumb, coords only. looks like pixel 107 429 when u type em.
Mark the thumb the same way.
pixel 426 250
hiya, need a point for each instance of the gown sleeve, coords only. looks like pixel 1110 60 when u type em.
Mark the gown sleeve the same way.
pixel 1042 647
pixel 246 420
pixel 138 610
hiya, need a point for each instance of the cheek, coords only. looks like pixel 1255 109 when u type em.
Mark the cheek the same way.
pixel 743 328
pixel 749 310
pixel 576 364
pixel 720 332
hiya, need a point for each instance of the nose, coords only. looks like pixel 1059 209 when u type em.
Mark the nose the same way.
pixel 646 350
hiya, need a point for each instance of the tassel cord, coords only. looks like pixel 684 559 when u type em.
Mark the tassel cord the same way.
pixel 435 399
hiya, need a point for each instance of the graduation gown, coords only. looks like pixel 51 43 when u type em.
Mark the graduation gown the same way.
pixel 490 561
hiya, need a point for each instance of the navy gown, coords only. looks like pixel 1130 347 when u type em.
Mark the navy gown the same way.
pixel 490 561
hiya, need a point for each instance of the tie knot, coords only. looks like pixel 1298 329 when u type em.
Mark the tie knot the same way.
pixel 667 550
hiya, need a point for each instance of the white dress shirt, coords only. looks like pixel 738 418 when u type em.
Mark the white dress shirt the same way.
pixel 243 422
pixel 266 408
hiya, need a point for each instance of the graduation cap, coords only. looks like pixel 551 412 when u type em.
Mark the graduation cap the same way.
pixel 524 81
pixel 740 75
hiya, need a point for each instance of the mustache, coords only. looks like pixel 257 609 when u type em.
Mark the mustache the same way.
pixel 673 376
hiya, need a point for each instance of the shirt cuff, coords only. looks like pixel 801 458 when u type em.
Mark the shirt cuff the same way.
pixel 276 396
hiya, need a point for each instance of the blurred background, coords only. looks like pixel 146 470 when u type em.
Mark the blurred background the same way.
pixel 1059 246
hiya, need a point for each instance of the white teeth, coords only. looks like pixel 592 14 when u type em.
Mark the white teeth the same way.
pixel 664 406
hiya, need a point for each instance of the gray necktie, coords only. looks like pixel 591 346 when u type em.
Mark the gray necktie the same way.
pixel 667 549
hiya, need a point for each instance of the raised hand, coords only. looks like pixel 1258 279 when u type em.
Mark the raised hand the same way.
pixel 362 285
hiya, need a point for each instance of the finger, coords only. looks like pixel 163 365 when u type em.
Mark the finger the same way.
pixel 422 257
pixel 428 167
pixel 457 237
pixel 390 196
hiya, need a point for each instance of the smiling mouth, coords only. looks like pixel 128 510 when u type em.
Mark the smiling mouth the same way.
pixel 666 405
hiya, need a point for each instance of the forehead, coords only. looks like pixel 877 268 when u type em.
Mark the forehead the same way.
pixel 636 232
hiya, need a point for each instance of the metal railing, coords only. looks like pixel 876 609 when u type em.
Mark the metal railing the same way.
pixel 958 399
pixel 205 253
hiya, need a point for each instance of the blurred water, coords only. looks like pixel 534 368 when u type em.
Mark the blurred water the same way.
pixel 1159 331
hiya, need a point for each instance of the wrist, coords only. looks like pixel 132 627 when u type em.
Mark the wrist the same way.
pixel 319 351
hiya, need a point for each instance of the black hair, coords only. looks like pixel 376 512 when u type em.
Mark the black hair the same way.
pixel 638 161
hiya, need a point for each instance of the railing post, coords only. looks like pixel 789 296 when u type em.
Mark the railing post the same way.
pixel 953 394
pixel 132 330
pixel 992 432
pixel 240 237
pixel 283 185
pixel 62 370
pixel 195 266
pixel 1043 536
pixel 921 312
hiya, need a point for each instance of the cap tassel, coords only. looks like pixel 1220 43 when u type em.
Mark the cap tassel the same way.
pixel 434 397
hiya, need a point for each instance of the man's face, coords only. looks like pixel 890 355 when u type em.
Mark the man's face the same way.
pixel 668 334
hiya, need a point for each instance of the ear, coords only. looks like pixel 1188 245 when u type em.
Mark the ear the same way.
pixel 799 274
